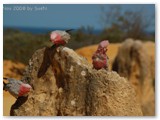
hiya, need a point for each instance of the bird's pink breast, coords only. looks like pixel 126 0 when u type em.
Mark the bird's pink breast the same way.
pixel 59 42
pixel 99 64
pixel 24 89
pixel 56 39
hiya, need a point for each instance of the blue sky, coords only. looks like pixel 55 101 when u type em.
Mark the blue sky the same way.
pixel 62 16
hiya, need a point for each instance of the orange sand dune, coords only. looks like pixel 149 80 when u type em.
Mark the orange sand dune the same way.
pixel 12 69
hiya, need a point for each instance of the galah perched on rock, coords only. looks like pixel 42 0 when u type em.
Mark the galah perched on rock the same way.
pixel 58 38
pixel 99 58
pixel 16 87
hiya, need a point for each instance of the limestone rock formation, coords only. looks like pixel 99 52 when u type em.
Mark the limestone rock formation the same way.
pixel 134 63
pixel 70 87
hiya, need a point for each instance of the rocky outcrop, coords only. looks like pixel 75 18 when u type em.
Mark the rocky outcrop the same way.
pixel 134 63
pixel 70 87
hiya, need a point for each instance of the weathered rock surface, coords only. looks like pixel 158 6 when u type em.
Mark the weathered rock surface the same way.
pixel 70 87
pixel 134 63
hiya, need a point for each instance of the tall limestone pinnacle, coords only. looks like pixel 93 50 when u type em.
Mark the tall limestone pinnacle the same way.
pixel 71 87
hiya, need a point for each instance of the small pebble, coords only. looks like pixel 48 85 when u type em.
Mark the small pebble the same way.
pixel 60 90
pixel 79 63
pixel 71 68
pixel 73 102
pixel 83 73
pixel 57 49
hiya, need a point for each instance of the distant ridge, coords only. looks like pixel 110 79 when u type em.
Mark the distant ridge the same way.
pixel 41 30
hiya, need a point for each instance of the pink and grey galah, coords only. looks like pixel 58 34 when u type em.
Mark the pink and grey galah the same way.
pixel 16 87
pixel 99 58
pixel 58 38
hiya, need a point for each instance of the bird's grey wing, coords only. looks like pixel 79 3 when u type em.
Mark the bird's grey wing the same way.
pixel 13 88
pixel 10 81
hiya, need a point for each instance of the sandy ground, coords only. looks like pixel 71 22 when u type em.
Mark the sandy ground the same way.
pixel 14 70
pixel 8 101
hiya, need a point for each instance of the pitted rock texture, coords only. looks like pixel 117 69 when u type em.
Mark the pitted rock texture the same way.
pixel 70 87
pixel 134 63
